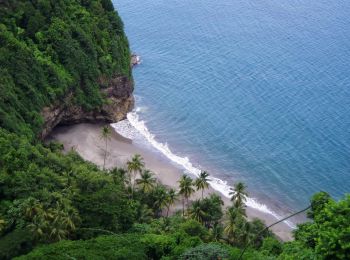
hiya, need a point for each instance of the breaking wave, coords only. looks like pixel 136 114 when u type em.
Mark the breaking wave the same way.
pixel 133 127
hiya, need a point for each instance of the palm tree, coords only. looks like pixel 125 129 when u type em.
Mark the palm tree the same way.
pixel 118 175
pixel 196 211
pixel 186 190
pixel 240 209
pixel 202 182
pixel 231 223
pixel 160 199
pixel 216 232
pixel 33 207
pixel 135 166
pixel 238 194
pixel 144 214
pixel 170 199
pixel 106 135
pixel 147 181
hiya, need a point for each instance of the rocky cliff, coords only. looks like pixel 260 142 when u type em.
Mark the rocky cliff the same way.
pixel 119 101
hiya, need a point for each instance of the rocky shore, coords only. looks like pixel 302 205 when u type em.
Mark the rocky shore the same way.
pixel 118 91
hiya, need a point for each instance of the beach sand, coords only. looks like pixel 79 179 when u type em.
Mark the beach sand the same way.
pixel 85 139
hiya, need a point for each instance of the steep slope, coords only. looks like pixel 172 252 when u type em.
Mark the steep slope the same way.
pixel 62 62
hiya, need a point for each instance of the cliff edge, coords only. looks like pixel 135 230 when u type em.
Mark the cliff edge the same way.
pixel 119 101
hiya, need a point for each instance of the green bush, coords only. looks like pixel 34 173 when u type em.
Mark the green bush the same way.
pixel 125 246
pixel 205 252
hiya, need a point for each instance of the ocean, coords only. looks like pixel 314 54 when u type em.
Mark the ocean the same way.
pixel 252 91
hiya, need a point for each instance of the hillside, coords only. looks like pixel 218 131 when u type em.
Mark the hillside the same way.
pixel 60 61
pixel 68 61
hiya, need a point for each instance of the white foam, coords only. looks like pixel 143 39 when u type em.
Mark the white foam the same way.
pixel 127 129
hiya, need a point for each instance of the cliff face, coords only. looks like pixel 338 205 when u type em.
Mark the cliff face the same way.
pixel 119 102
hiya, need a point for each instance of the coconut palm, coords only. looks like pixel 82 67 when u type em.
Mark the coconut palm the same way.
pixel 238 194
pixel 202 182
pixel 196 211
pixel 230 226
pixel 54 224
pixel 33 207
pixel 118 175
pixel 160 199
pixel 63 220
pixel 170 199
pixel 240 209
pixel 144 214
pixel 135 166
pixel 105 135
pixel 216 232
pixel 186 190
pixel 147 181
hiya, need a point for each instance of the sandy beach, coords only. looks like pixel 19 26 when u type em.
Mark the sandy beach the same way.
pixel 85 139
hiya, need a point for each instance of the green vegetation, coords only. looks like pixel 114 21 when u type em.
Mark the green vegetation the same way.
pixel 63 207
pixel 58 206
pixel 49 48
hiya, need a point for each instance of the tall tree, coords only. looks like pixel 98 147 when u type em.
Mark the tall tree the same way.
pixel 231 223
pixel 160 199
pixel 135 165
pixel 170 199
pixel 197 212
pixel 202 182
pixel 146 181
pixel 238 194
pixel 186 190
pixel 105 135
pixel 56 223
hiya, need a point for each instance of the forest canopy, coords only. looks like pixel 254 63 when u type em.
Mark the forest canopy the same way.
pixel 49 48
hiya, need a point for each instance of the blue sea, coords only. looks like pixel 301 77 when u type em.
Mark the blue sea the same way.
pixel 252 91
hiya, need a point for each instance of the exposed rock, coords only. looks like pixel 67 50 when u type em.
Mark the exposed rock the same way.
pixel 135 60
pixel 119 102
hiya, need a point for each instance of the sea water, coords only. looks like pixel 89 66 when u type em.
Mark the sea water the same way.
pixel 252 91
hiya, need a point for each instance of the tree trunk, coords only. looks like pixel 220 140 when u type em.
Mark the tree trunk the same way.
pixel 104 158
pixel 183 206
pixel 133 184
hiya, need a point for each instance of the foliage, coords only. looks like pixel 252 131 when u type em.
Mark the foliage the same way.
pixel 186 190
pixel 53 196
pixel 125 246
pixel 271 246
pixel 202 182
pixel 146 182
pixel 329 232
pixel 49 48
pixel 205 252
pixel 207 211
pixel 238 194
pixel 135 166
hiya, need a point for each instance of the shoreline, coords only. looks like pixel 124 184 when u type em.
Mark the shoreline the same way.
pixel 84 139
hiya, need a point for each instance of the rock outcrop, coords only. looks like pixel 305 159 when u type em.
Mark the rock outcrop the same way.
pixel 120 101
